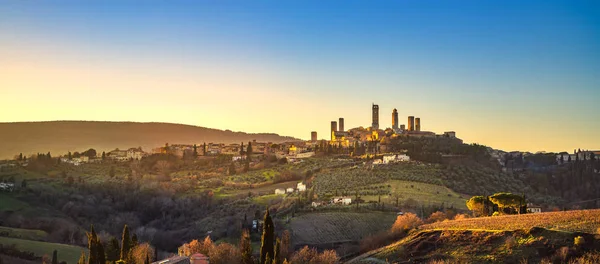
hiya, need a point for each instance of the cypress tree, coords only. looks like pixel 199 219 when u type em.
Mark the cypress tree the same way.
pixel 277 254
pixel 125 243
pixel 92 246
pixel 113 250
pixel 147 261
pixel 249 151
pixel 246 248
pixel 55 257
pixel 134 240
pixel 100 253
pixel 266 247
pixel 81 258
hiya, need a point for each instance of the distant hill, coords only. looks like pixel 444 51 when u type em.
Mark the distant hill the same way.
pixel 59 137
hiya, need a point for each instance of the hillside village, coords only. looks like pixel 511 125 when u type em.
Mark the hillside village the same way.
pixel 370 178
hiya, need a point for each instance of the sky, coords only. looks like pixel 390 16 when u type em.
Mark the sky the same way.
pixel 513 75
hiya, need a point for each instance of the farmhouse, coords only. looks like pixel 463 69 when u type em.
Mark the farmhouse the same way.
pixel 317 204
pixel 279 191
pixel 289 190
pixel 7 186
pixel 344 200
pixel 395 158
pixel 301 187
pixel 532 208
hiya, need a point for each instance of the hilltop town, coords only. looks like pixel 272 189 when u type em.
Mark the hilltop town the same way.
pixel 179 196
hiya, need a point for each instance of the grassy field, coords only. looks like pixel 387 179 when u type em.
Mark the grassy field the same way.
pixel 423 193
pixel 28 234
pixel 579 220
pixel 68 253
pixel 8 203
pixel 266 200
pixel 329 227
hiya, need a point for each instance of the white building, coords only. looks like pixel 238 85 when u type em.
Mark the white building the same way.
pixel 289 190
pixel 344 200
pixel 7 187
pixel 395 158
pixel 531 208
pixel 301 187
pixel 279 191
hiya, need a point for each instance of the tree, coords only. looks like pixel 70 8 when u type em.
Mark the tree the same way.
pixel 140 253
pixel 100 252
pixel 479 205
pixel 246 248
pixel 242 152
pixel 195 151
pixel 20 156
pixel 147 261
pixel 232 169
pixel 246 166
pixel 92 246
pixel 134 240
pixel 507 201
pixel 81 258
pixel 204 148
pixel 266 246
pixel 286 244
pixel 113 250
pixel 24 184
pixel 277 256
pixel 103 155
pixel 249 152
pixel 69 155
pixel 55 257
pixel 125 243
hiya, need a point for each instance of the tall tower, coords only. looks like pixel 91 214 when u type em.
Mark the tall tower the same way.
pixel 313 136
pixel 418 124
pixel 341 124
pixel 375 124
pixel 395 119
pixel 411 123
pixel 333 129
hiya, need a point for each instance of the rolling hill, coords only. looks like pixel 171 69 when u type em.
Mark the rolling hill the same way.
pixel 59 137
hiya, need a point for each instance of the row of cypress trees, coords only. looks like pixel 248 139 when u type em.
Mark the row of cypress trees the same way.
pixel 115 253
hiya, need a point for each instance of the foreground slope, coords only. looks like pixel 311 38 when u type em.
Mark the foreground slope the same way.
pixel 62 136
pixel 501 239
pixel 480 246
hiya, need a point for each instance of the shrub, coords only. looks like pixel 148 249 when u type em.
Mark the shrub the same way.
pixel 579 241
pixel 461 217
pixel 405 223
pixel 437 217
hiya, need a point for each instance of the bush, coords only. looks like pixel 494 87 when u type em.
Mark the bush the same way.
pixel 406 222
pixel 579 241
pixel 437 217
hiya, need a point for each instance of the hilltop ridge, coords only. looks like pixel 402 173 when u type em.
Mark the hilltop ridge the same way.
pixel 59 137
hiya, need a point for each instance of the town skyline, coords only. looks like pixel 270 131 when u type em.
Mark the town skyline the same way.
pixel 527 83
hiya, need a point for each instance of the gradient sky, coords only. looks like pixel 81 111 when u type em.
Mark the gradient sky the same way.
pixel 511 75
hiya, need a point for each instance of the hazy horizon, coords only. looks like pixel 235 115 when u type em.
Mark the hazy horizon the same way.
pixel 512 75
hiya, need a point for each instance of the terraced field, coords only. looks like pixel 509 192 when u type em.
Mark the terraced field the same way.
pixel 573 221
pixel 68 253
pixel 334 227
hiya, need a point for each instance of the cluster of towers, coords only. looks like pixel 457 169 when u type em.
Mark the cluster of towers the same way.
pixel 337 130
pixel 414 124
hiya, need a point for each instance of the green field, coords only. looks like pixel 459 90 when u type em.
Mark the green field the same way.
pixel 424 193
pixel 8 203
pixel 266 200
pixel 29 234
pixel 68 253
pixel 331 227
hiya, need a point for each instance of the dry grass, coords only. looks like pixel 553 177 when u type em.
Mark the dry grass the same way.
pixel 577 220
